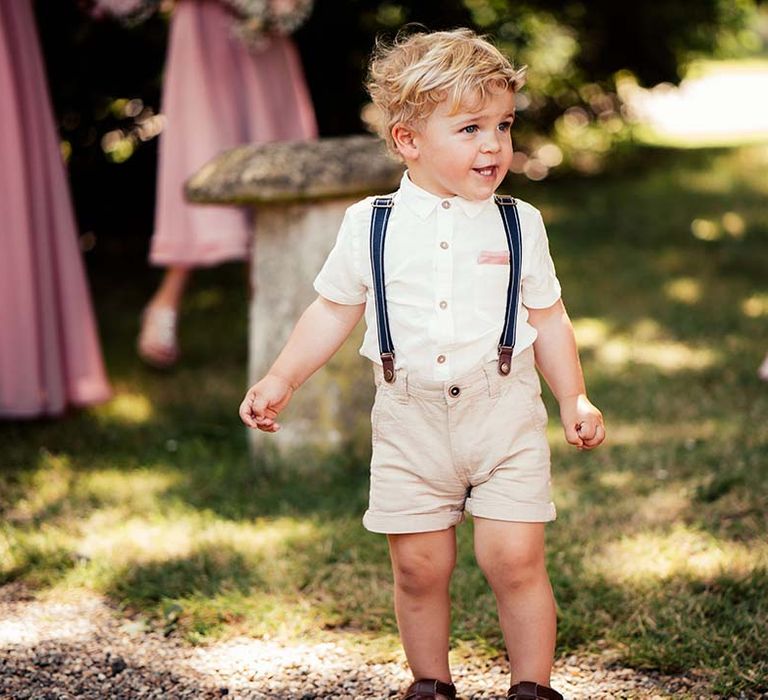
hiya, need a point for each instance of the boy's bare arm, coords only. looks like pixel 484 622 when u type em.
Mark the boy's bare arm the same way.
pixel 558 360
pixel 319 333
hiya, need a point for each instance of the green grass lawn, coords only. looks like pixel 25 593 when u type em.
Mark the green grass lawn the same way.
pixel 660 552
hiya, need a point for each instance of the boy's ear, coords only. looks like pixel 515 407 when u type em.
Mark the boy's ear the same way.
pixel 404 137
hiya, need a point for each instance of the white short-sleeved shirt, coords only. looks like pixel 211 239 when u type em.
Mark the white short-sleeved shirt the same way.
pixel 446 269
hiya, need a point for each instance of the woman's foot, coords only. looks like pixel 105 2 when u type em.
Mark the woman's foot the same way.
pixel 762 371
pixel 158 345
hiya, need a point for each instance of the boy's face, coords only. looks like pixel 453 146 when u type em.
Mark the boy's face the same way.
pixel 465 154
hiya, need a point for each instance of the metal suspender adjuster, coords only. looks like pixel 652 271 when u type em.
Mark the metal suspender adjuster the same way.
pixel 508 210
pixel 382 208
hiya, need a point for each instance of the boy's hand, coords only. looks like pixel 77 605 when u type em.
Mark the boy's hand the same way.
pixel 264 401
pixel 583 422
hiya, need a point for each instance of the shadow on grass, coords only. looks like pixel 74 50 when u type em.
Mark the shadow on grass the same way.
pixel 673 625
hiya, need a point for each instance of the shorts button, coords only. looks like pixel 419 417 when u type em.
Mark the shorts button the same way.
pixel 440 359
pixel 454 391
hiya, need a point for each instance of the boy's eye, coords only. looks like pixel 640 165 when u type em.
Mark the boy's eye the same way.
pixel 471 129
pixel 505 126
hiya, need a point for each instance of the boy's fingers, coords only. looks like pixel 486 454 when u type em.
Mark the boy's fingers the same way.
pixel 268 426
pixel 586 431
pixel 245 413
pixel 597 437
pixel 259 407
pixel 572 436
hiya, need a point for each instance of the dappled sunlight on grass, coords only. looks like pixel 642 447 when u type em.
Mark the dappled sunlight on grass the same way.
pixel 684 290
pixel 591 332
pixel 652 557
pixel 615 479
pixel 128 408
pixel 646 432
pixel 57 489
pixel 41 555
pixel 46 486
pixel 666 356
pixel 138 490
pixel 139 540
pixel 663 506
pixel 644 342
pixel 755 306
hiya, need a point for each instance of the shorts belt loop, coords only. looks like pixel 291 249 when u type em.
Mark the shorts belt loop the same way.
pixel 492 379
pixel 400 387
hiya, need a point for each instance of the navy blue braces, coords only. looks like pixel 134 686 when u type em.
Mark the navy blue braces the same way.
pixel 382 209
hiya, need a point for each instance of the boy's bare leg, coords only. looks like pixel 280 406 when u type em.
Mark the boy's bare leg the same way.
pixel 422 564
pixel 511 554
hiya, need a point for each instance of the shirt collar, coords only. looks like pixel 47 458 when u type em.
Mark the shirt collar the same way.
pixel 422 203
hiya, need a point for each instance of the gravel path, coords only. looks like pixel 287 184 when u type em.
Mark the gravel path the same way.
pixel 77 647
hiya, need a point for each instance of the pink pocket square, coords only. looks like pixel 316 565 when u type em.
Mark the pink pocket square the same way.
pixel 493 257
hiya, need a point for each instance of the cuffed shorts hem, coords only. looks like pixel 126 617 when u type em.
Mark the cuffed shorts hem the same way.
pixel 397 524
pixel 517 512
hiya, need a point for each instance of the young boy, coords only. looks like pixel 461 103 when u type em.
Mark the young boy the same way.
pixel 459 303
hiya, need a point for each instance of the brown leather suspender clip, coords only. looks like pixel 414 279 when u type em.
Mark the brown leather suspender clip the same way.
pixel 505 359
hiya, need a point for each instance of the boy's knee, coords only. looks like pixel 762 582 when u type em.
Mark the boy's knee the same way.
pixel 419 573
pixel 511 568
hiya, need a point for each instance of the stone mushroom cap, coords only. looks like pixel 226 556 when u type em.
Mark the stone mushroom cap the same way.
pixel 296 171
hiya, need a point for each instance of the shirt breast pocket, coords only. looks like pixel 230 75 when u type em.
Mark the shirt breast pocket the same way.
pixel 490 284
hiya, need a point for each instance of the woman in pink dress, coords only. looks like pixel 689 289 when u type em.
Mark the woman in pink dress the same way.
pixel 49 348
pixel 219 91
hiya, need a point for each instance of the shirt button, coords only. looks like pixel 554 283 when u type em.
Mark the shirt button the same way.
pixel 446 205
pixel 440 359
pixel 444 245
pixel 443 304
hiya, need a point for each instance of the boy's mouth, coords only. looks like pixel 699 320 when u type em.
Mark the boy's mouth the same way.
pixel 488 171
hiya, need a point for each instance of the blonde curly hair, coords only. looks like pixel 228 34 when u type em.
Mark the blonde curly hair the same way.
pixel 408 78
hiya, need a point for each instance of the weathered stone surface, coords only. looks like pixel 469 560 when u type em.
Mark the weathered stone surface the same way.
pixel 298 171
pixel 299 191
pixel 333 407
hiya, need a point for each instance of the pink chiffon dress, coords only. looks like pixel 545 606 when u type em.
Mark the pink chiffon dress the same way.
pixel 49 349
pixel 218 93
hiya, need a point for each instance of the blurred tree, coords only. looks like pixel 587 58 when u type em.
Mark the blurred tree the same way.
pixel 105 78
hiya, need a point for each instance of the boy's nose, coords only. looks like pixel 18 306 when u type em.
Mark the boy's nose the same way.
pixel 490 145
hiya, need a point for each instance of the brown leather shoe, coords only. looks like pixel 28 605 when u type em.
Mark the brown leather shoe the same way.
pixel 429 689
pixel 526 690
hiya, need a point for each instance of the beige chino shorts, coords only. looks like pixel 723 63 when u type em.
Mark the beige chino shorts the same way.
pixel 476 445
